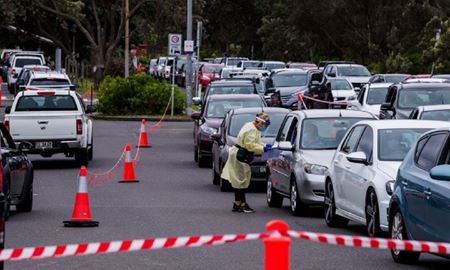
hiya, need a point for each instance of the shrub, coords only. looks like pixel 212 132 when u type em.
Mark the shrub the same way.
pixel 137 94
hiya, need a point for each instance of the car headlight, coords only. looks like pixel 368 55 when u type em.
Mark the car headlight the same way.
pixel 208 130
pixel 315 169
pixel 390 187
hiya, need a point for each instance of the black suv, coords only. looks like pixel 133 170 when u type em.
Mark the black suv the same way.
pixel 403 98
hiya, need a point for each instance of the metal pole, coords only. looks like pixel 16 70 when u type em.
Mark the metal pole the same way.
pixel 58 59
pixel 127 40
pixel 189 61
pixel 173 86
pixel 199 42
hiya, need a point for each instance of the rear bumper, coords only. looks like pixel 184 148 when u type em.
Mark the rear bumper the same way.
pixel 59 146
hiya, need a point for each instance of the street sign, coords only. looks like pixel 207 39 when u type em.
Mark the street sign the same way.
pixel 189 46
pixel 175 41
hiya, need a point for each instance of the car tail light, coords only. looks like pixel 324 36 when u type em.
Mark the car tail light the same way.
pixel 45 93
pixel 79 127
pixel 6 123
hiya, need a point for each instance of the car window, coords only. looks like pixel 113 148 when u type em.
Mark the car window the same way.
pixel 439 115
pixel 239 120
pixel 352 139
pixel 218 109
pixel 376 96
pixel 20 62
pixel 282 135
pixel 412 98
pixel 395 143
pixel 428 156
pixel 361 95
pixel 419 147
pixel 292 134
pixel 49 81
pixel 366 143
pixel 46 103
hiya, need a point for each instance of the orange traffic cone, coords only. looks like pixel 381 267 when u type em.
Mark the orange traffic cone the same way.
pixel 81 216
pixel 143 139
pixel 128 167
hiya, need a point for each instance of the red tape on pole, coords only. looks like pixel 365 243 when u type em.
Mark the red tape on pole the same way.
pixel 300 97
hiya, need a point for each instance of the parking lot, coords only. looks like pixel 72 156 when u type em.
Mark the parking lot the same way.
pixel 173 198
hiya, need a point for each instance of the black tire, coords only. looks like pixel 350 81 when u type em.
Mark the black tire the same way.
pixel 272 197
pixel 81 157
pixel 215 175
pixel 297 206
pixel 331 218
pixel 225 186
pixel 7 192
pixel 91 150
pixel 27 204
pixel 372 215
pixel 204 162
pixel 397 230
pixel 196 154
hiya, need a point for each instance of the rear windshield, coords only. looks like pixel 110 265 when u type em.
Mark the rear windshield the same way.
pixel 226 90
pixel 50 81
pixel 439 115
pixel 212 69
pixel 218 109
pixel 20 62
pixel 340 85
pixel 412 98
pixel 46 103
pixel 239 120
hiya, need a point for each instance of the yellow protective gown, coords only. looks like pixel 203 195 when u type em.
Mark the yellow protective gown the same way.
pixel 236 172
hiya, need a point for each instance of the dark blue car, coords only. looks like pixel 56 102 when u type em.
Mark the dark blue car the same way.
pixel 420 204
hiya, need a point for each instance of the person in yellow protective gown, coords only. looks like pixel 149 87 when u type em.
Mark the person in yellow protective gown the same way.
pixel 239 173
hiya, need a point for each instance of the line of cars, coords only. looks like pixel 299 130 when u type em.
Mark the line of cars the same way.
pixel 391 176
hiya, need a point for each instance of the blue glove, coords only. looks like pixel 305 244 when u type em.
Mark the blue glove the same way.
pixel 267 147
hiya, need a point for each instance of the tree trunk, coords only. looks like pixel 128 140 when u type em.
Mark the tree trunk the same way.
pixel 98 64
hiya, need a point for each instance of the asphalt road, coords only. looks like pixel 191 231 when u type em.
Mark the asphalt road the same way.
pixel 174 198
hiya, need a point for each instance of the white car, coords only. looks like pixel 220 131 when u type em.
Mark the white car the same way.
pixel 17 63
pixel 47 80
pixel 431 112
pixel 370 98
pixel 342 90
pixel 360 180
pixel 50 122
pixel 357 75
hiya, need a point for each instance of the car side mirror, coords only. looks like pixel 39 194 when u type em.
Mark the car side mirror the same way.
pixel 8 110
pixel 195 116
pixel 216 137
pixel 285 146
pixel 441 172
pixel 25 146
pixel 196 100
pixel 332 74
pixel 386 107
pixel 91 109
pixel 358 157
pixel 270 90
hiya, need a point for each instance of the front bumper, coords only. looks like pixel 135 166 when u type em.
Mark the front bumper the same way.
pixel 311 188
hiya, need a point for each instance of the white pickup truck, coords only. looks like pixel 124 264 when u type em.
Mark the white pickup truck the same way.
pixel 52 121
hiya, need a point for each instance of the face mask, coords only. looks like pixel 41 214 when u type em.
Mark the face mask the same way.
pixel 262 130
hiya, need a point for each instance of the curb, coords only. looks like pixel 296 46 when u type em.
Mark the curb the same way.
pixel 154 118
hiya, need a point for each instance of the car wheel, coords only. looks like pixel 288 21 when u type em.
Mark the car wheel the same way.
pixel 225 185
pixel 196 154
pixel 215 175
pixel 7 192
pixel 331 218
pixel 204 162
pixel 91 151
pixel 297 206
pixel 273 198
pixel 397 230
pixel 372 215
pixel 27 204
pixel 81 156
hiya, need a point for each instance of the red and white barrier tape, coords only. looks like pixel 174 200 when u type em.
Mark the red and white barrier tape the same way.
pixel 301 97
pixel 101 178
pixel 158 124
pixel 16 254
pixel 375 243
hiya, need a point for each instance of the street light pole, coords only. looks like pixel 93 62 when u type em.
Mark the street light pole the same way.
pixel 189 61
pixel 127 40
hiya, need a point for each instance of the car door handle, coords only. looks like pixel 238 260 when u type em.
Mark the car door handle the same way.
pixel 427 192
pixel 405 183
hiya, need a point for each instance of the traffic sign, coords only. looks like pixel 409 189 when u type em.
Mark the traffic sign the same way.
pixel 175 43
pixel 189 46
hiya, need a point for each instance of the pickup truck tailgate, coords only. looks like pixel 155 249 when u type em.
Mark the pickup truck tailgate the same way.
pixel 43 126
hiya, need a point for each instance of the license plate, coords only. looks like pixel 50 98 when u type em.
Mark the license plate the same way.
pixel 40 145
pixel 262 169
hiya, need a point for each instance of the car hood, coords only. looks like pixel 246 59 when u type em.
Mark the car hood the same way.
pixel 287 91
pixel 320 157
pixel 213 122
pixel 402 113
pixel 343 93
pixel 374 109
pixel 390 168
pixel 358 79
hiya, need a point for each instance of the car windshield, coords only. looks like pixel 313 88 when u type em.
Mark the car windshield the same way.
pixel 376 96
pixel 271 66
pixel 212 69
pixel 394 144
pixel 340 85
pixel 218 109
pixel 353 71
pixel 325 133
pixel 250 64
pixel 289 80
pixel 20 62
pixel 50 81
pixel 225 90
pixel 439 115
pixel 233 62
pixel 395 78
pixel 46 103
pixel 409 98
pixel 239 120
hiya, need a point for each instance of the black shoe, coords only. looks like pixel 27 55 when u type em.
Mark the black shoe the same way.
pixel 237 208
pixel 247 209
